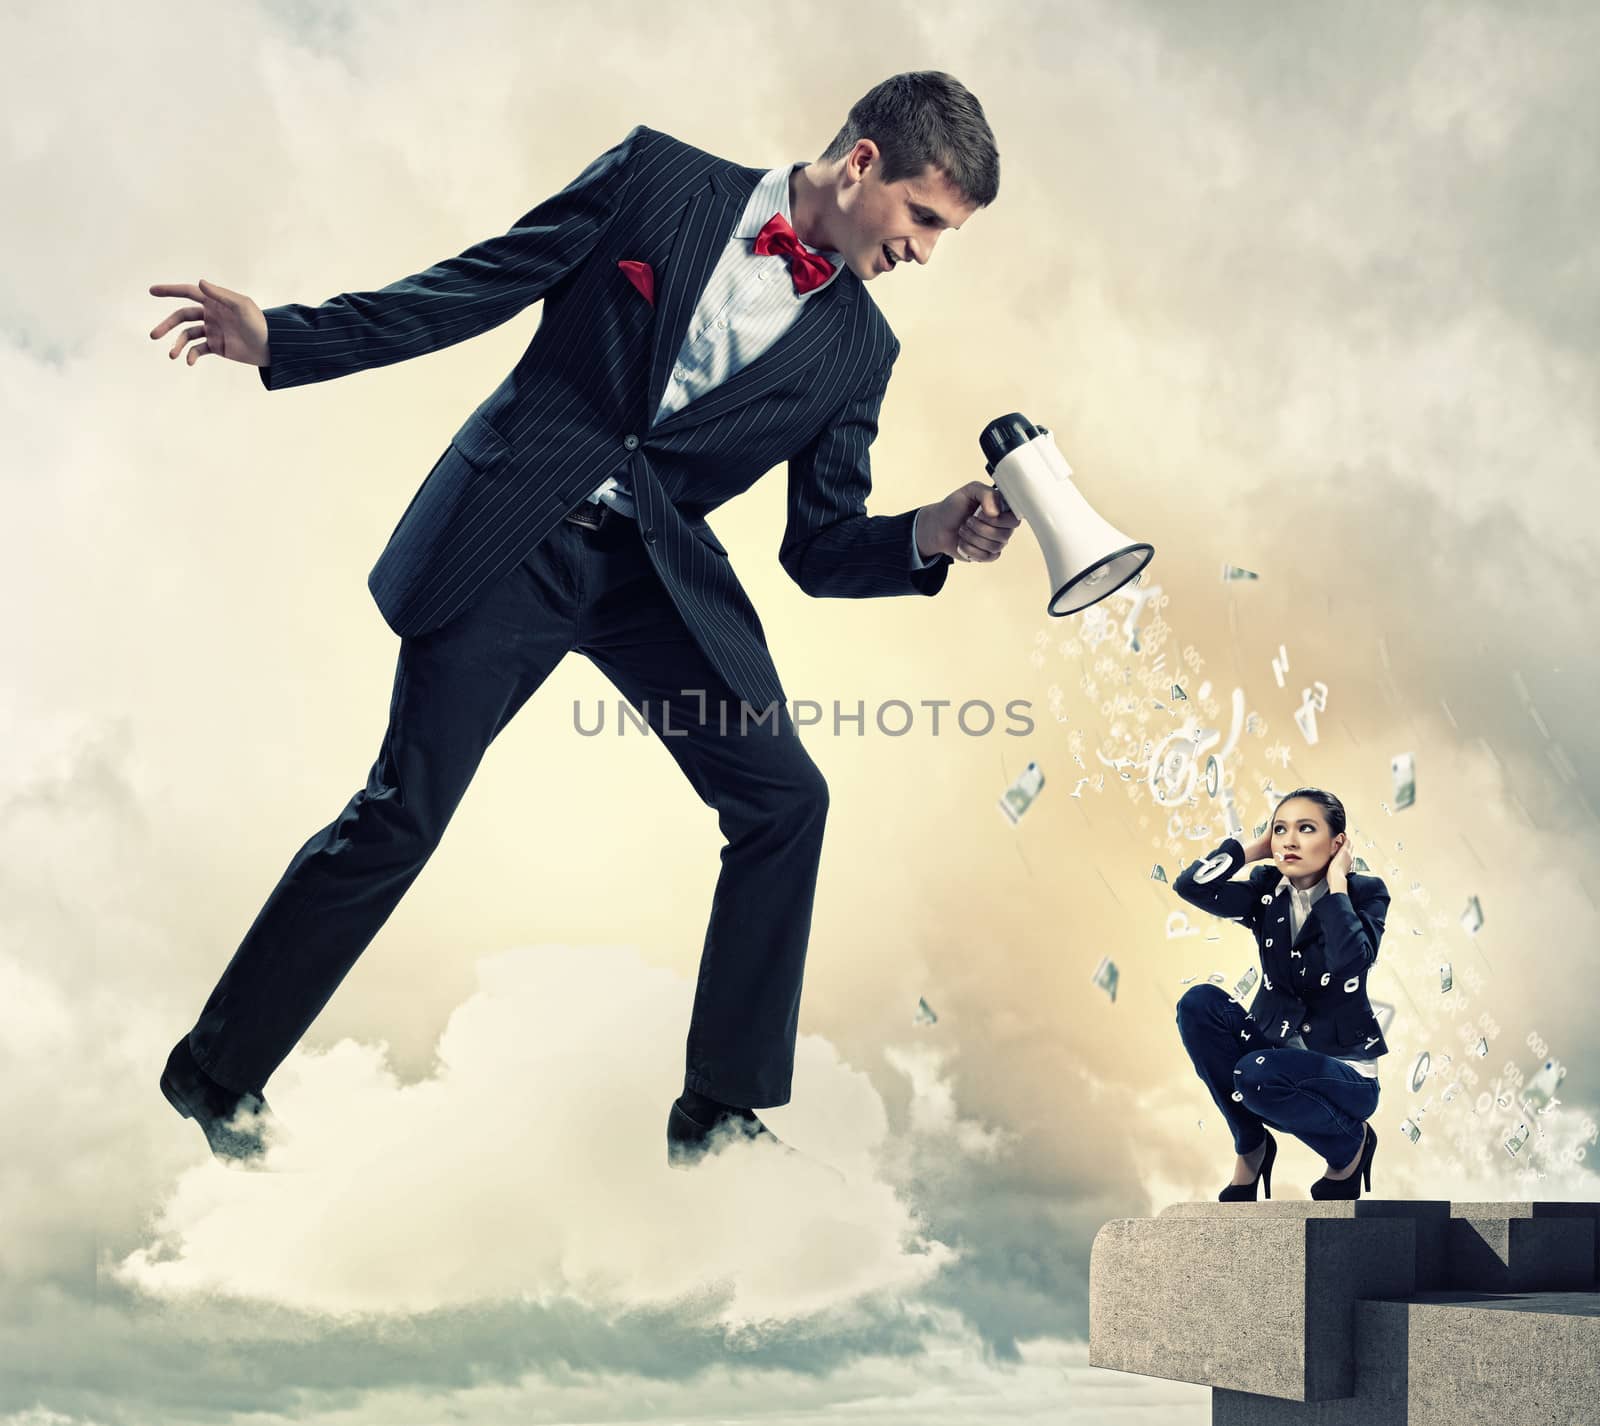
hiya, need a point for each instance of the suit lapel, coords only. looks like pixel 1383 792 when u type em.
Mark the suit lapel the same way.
pixel 811 334
pixel 1276 931
pixel 702 236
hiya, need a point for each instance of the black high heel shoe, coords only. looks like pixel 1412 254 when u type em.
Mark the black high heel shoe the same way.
pixel 1350 1187
pixel 1246 1192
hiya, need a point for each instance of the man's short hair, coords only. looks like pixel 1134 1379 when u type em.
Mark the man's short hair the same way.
pixel 923 118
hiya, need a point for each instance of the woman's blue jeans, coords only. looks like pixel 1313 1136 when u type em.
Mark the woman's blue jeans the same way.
pixel 1320 1100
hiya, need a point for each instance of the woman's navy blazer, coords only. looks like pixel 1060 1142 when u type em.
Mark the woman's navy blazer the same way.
pixel 1313 984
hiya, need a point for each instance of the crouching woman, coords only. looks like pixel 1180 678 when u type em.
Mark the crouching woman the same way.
pixel 1303 1058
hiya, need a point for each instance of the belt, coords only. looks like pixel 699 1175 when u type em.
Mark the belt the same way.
pixel 592 514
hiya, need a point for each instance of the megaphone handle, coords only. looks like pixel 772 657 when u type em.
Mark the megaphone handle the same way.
pixel 1005 508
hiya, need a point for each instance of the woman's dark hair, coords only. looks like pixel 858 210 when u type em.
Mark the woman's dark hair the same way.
pixel 923 118
pixel 1325 800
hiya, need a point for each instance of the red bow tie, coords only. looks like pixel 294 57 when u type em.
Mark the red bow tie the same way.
pixel 808 269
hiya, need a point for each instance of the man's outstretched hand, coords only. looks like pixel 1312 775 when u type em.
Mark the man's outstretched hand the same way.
pixel 968 524
pixel 229 324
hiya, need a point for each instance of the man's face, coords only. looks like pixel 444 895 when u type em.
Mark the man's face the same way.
pixel 882 225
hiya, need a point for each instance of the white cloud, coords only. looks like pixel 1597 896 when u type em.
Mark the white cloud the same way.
pixel 532 1165
pixel 934 1116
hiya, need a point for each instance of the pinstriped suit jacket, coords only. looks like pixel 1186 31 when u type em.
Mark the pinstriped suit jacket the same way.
pixel 577 406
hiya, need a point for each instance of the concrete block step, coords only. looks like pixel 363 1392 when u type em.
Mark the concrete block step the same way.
pixel 1429 1216
pixel 1456 1359
pixel 1524 1247
pixel 1254 1302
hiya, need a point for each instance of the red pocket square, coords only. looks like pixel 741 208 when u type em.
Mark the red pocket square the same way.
pixel 640 275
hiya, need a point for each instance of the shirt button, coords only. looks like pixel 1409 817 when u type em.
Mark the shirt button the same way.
pixel 679 373
pixel 762 275
pixel 722 324
pixel 630 443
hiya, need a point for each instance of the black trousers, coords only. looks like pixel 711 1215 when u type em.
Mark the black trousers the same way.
pixel 455 688
pixel 1320 1100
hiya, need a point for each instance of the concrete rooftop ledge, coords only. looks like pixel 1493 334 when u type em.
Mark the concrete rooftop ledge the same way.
pixel 1429 1217
pixel 1367 1313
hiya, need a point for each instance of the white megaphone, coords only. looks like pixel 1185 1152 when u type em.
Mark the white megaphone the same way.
pixel 1087 557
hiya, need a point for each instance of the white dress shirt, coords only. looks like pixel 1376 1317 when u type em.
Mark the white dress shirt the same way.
pixel 749 302
pixel 1300 904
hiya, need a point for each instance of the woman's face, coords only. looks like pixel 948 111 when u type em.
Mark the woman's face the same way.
pixel 1302 845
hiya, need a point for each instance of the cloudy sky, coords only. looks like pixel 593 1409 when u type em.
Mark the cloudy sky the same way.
pixel 1307 290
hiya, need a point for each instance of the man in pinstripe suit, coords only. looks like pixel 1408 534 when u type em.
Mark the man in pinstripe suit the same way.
pixel 702 322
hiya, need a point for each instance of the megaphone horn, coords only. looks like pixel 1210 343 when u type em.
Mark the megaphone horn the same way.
pixel 1086 556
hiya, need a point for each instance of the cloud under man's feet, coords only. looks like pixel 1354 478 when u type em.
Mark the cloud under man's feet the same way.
pixel 531 1166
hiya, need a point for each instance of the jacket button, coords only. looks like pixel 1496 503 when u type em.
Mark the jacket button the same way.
pixel 649 536
pixel 630 442
pixel 1306 1029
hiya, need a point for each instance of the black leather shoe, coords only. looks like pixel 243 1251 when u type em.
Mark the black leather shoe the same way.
pixel 1350 1186
pixel 235 1125
pixel 1246 1192
pixel 689 1140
